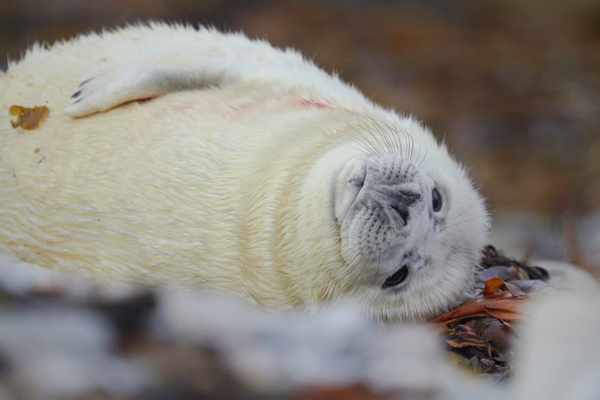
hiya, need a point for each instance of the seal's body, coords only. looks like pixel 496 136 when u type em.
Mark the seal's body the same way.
pixel 250 170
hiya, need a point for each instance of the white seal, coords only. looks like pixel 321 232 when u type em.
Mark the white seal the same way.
pixel 251 170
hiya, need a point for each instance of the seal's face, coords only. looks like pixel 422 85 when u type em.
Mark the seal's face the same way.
pixel 411 230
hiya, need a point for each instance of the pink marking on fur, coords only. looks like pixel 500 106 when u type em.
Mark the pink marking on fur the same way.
pixel 309 103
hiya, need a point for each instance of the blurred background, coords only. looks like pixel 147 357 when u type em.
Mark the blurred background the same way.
pixel 513 87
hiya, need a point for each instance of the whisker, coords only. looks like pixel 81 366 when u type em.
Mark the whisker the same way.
pixel 465 221
pixel 453 217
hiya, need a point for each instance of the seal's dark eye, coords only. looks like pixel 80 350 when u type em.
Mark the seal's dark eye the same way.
pixel 436 200
pixel 396 278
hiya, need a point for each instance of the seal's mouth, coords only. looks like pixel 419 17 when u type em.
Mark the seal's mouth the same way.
pixel 397 278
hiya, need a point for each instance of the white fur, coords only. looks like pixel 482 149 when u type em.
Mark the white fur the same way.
pixel 228 181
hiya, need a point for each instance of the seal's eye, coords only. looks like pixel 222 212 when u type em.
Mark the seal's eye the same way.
pixel 436 200
pixel 396 278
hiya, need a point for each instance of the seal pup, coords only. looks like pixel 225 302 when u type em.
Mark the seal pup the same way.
pixel 251 170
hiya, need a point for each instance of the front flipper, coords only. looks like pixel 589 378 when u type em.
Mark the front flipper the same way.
pixel 126 83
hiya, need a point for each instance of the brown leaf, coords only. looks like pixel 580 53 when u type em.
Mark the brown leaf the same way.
pixel 497 288
pixel 492 286
pixel 503 315
pixel 463 336
pixel 506 309
pixel 28 118
pixel 498 333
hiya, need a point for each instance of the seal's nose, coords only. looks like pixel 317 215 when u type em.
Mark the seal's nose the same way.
pixel 401 202
pixel 402 196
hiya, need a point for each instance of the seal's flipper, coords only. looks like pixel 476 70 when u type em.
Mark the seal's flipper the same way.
pixel 130 82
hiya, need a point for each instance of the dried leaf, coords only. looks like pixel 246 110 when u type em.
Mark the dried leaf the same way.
pixel 514 289
pixel 503 315
pixel 466 341
pixel 498 333
pixel 492 286
pixel 28 118
pixel 506 309
pixel 479 330
pixel 492 258
pixel 463 336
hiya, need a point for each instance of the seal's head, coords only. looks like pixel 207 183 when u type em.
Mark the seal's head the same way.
pixel 410 222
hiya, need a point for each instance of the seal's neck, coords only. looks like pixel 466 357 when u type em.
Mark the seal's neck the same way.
pixel 289 224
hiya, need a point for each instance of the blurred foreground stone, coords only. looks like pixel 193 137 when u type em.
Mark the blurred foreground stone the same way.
pixel 62 337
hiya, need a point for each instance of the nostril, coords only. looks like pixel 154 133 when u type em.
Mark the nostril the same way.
pixel 408 198
pixel 402 211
